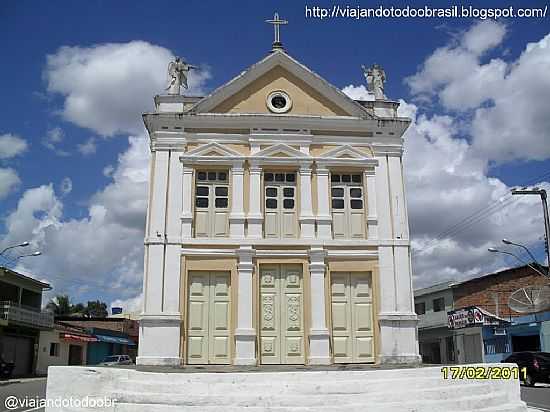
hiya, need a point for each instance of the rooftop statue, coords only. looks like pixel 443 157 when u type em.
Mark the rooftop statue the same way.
pixel 375 77
pixel 177 75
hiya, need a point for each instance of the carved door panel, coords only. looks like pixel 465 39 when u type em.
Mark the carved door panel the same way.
pixel 282 319
pixel 209 311
pixel 352 317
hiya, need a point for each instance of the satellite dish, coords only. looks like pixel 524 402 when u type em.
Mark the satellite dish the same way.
pixel 531 299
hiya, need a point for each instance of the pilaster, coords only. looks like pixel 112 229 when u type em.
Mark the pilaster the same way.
pixel 319 351
pixel 372 217
pixel 255 218
pixel 187 212
pixel 307 220
pixel 237 217
pixel 324 218
pixel 245 335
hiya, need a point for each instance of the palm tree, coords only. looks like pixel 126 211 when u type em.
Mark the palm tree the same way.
pixel 60 305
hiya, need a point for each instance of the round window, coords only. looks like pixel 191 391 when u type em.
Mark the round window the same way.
pixel 279 102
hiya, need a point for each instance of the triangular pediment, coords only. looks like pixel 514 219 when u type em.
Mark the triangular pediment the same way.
pixel 213 150
pixel 280 150
pixel 344 152
pixel 310 94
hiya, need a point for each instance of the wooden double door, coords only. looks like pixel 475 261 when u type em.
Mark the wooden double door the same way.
pixel 282 339
pixel 209 317
pixel 352 317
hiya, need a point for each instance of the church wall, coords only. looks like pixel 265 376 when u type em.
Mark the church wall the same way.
pixel 305 100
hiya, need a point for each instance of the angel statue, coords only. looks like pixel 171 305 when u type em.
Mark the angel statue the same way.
pixel 375 77
pixel 177 75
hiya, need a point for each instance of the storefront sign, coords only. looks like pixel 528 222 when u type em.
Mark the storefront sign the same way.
pixel 466 317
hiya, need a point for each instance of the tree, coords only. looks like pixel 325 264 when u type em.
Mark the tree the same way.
pixel 60 305
pixel 96 309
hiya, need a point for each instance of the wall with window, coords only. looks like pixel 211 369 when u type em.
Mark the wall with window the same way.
pixel 53 351
pixel 432 308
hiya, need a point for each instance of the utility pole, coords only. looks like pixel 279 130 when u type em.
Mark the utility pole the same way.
pixel 542 194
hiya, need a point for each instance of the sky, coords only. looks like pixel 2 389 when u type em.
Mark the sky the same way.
pixel 76 76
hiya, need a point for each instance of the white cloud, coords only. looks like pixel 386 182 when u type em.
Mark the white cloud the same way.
pixel 9 180
pixel 483 36
pixel 508 100
pixel 358 92
pixel 66 186
pixel 446 181
pixel 54 137
pixel 103 249
pixel 11 145
pixel 106 87
pixel 88 147
pixel 130 305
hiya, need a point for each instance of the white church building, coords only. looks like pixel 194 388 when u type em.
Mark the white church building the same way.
pixel 277 228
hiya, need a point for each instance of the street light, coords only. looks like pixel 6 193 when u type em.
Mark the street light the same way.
pixel 24 244
pixel 494 250
pixel 31 254
pixel 509 242
pixel 542 194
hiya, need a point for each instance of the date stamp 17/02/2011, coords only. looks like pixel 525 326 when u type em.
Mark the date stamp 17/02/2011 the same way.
pixel 483 372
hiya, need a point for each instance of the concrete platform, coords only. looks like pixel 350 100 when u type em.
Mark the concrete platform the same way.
pixel 351 388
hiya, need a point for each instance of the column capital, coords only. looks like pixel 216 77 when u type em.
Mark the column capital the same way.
pixel 237 166
pixel 322 171
pixel 255 169
pixel 187 169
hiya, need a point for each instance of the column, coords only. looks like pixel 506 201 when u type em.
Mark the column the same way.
pixel 372 218
pixel 237 217
pixel 160 323
pixel 187 203
pixel 307 220
pixel 255 217
pixel 172 258
pixel 319 352
pixel 245 335
pixel 324 218
pixel 398 342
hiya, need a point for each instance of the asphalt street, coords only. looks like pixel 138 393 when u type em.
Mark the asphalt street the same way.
pixel 34 388
pixel 536 397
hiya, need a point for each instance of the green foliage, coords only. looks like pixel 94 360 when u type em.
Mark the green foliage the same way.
pixel 61 306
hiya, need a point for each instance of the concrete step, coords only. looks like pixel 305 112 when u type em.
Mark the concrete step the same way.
pixel 409 390
pixel 281 386
pixel 266 399
pixel 473 404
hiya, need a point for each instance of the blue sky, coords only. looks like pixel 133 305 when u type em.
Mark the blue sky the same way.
pixel 224 38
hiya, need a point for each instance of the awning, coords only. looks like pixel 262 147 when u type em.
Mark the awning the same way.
pixel 77 338
pixel 115 339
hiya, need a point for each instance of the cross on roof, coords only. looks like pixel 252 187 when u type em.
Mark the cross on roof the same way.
pixel 276 23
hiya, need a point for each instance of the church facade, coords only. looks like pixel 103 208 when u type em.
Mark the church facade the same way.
pixel 277 229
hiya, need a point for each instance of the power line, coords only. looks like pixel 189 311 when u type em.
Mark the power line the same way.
pixel 479 215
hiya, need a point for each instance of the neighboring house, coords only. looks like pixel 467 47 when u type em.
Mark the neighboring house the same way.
pixel 21 319
pixel 490 340
pixel 113 336
pixel 62 346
